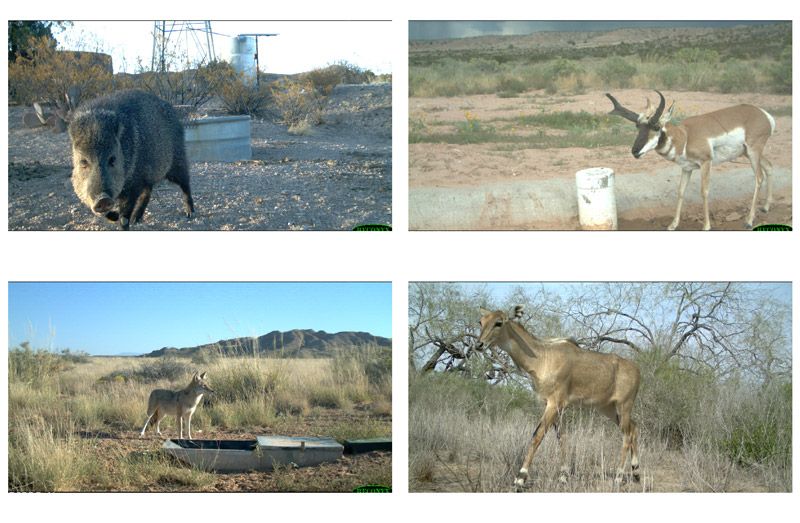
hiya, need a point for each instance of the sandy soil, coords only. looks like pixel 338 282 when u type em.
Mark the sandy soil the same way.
pixel 349 472
pixel 334 178
pixel 482 165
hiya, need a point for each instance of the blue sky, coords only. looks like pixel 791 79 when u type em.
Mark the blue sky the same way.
pixel 138 317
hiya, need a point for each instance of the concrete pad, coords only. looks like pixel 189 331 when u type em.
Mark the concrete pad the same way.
pixel 551 204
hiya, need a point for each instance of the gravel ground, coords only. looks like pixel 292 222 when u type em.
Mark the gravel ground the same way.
pixel 337 176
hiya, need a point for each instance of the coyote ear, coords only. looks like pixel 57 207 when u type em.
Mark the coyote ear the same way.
pixel 518 310
pixel 203 376
pixel 194 376
pixel 483 311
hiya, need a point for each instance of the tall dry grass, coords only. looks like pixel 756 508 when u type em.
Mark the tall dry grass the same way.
pixel 57 416
pixel 696 434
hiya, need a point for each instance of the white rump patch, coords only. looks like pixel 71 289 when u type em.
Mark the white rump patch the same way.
pixel 728 146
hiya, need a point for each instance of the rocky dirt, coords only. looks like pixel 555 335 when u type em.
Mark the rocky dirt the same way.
pixel 481 166
pixel 335 177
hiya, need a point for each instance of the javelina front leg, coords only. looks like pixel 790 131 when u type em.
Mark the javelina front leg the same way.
pixel 141 203
pixel 126 205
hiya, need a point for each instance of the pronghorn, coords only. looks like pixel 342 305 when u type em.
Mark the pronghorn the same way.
pixel 565 374
pixel 703 140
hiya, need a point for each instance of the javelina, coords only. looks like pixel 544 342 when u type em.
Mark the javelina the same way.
pixel 122 145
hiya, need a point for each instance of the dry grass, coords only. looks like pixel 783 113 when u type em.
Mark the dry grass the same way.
pixel 54 421
pixel 466 436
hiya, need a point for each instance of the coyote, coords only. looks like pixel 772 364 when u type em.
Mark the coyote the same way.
pixel 181 403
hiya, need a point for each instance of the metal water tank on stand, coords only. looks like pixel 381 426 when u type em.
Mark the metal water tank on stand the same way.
pixel 243 57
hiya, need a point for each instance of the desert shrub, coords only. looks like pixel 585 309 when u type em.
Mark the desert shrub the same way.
pixel 158 369
pixel 671 396
pixel 242 381
pixel 326 78
pixel 617 72
pixel 239 98
pixel 759 427
pixel 190 87
pixel 297 102
pixel 780 73
pixel 34 366
pixel 737 77
pixel 46 75
pixel 696 55
pixel 509 87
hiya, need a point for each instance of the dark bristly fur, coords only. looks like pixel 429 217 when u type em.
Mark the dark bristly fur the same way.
pixel 122 145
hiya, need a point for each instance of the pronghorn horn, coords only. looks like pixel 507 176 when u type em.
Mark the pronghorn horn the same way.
pixel 624 112
pixel 659 111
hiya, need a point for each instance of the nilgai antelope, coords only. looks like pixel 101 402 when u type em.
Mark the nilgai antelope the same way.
pixel 181 404
pixel 702 140
pixel 565 374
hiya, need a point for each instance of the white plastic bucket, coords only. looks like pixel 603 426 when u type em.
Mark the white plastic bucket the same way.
pixel 597 207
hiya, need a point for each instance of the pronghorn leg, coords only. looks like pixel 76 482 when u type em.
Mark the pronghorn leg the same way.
pixel 686 174
pixel 547 420
pixel 766 168
pixel 705 182
pixel 755 162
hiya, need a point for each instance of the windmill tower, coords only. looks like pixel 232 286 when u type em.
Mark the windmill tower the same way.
pixel 184 39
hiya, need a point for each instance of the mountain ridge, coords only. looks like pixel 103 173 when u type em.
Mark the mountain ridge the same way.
pixel 292 343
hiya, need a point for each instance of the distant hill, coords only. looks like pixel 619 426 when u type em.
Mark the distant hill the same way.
pixel 294 343
pixel 745 41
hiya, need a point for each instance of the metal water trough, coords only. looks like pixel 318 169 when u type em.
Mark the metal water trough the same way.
pixel 261 454
pixel 361 446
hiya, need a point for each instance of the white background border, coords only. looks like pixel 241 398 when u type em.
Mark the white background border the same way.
pixel 400 257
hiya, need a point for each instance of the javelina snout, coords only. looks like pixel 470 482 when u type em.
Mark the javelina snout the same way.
pixel 122 145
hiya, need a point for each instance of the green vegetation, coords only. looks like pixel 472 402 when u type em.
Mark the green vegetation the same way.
pixel 574 129
pixel 757 59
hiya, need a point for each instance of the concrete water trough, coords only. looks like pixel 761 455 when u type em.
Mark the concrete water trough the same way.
pixel 261 454
pixel 218 139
